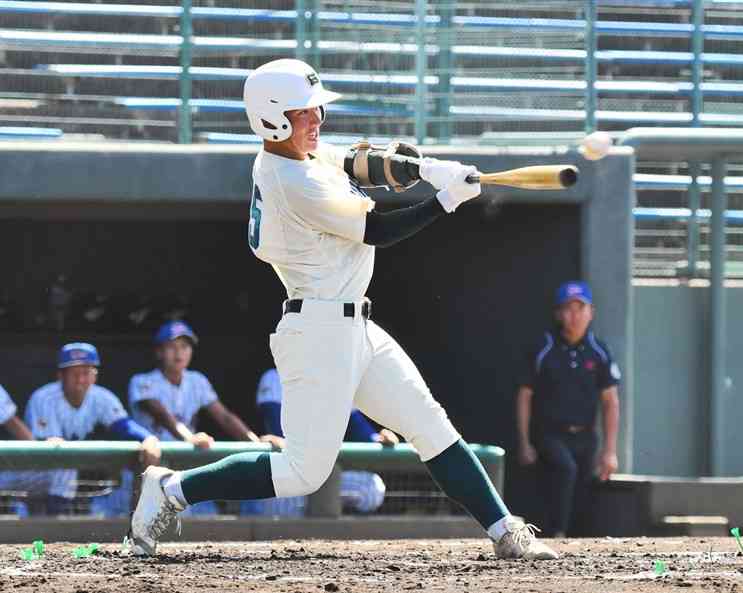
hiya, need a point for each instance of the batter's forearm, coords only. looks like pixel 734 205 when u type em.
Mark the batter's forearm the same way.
pixel 387 228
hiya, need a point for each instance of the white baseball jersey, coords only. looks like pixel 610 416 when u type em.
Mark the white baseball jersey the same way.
pixel 7 408
pixel 182 401
pixel 49 414
pixel 308 222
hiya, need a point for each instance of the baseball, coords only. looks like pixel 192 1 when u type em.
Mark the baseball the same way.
pixel 595 146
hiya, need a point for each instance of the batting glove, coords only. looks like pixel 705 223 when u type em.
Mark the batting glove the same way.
pixel 459 190
pixel 438 173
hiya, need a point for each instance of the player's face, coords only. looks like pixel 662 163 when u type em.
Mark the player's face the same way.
pixel 77 380
pixel 305 130
pixel 175 355
pixel 574 317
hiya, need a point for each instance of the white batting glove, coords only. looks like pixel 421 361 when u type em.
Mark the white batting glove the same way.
pixel 459 190
pixel 438 173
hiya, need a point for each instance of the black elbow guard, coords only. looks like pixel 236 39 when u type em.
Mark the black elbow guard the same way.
pixel 394 166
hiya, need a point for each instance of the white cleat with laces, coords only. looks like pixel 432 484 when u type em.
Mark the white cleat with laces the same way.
pixel 154 513
pixel 520 541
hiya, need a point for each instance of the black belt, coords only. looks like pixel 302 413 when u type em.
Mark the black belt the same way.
pixel 349 309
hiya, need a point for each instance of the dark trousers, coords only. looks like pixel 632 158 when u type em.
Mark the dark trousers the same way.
pixel 567 463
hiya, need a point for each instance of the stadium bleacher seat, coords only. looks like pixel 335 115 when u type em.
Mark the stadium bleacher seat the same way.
pixel 21 132
pixel 227 105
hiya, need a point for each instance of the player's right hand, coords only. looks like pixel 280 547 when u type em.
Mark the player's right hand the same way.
pixel 527 454
pixel 201 440
pixel 437 172
pixel 459 190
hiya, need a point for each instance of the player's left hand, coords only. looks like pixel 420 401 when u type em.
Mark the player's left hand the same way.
pixel 149 452
pixel 387 437
pixel 437 172
pixel 608 464
pixel 276 442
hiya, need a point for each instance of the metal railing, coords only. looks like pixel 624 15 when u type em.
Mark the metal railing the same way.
pixel 114 456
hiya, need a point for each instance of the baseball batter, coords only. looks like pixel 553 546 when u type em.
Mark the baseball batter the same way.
pixel 311 223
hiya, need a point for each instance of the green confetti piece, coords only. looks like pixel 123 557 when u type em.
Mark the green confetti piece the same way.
pixel 85 551
pixel 28 554
pixel 39 547
pixel 735 532
pixel 659 567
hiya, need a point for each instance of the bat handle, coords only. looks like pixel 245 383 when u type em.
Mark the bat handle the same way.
pixel 472 178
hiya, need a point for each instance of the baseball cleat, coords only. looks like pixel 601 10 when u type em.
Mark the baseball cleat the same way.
pixel 520 541
pixel 154 513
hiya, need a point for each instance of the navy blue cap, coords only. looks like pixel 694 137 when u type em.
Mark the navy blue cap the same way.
pixel 174 329
pixel 574 291
pixel 76 354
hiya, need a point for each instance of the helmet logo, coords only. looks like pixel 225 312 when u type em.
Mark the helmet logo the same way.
pixel 313 78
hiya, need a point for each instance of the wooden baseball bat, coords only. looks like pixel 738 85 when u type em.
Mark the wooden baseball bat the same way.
pixel 534 177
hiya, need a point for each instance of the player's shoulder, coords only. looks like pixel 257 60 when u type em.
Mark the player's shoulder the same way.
pixel 197 379
pixel 145 382
pixel 46 392
pixel 542 343
pixel 4 395
pixel 598 346
pixel 101 393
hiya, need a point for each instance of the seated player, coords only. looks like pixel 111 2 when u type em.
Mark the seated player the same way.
pixel 72 409
pixel 9 420
pixel 16 428
pixel 168 399
pixel 361 491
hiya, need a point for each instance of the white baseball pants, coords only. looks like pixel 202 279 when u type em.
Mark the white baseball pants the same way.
pixel 329 364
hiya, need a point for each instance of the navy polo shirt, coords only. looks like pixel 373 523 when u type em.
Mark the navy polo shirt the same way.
pixel 567 380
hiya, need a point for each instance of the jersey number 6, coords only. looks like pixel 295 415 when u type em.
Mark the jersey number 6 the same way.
pixel 254 228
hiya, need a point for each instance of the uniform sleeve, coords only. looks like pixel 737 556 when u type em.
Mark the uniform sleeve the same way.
pixel 359 428
pixel 269 388
pixel 207 395
pixel 330 205
pixel 109 408
pixel 609 373
pixel 331 154
pixel 7 408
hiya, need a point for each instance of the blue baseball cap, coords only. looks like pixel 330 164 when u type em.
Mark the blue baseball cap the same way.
pixel 174 329
pixel 574 291
pixel 77 354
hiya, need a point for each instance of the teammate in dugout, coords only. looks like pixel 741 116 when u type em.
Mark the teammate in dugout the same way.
pixel 15 427
pixel 9 419
pixel 319 231
pixel 567 375
pixel 73 409
pixel 167 399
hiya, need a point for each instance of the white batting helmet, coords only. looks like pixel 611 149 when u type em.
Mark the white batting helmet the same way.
pixel 280 86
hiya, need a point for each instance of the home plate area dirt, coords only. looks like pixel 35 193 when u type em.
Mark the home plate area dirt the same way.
pixel 586 565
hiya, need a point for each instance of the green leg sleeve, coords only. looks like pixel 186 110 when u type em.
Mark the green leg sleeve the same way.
pixel 242 476
pixel 463 479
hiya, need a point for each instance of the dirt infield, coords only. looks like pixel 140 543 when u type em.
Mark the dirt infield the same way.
pixel 587 565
